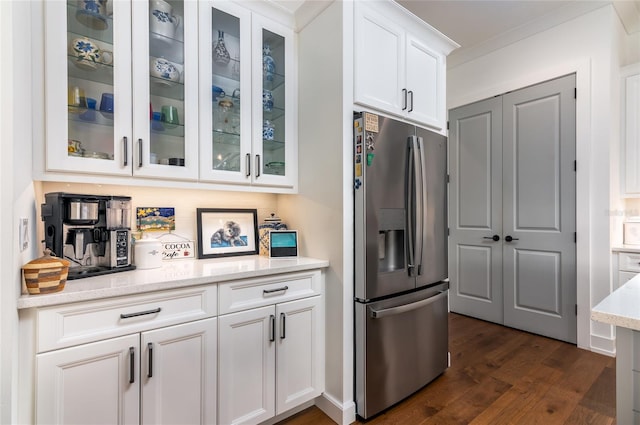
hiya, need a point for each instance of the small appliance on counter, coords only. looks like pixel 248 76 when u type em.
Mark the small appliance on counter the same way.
pixel 93 232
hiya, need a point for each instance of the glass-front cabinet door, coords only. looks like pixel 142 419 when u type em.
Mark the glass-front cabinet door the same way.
pixel 88 86
pixel 246 98
pixel 130 87
pixel 274 142
pixel 165 89
pixel 225 93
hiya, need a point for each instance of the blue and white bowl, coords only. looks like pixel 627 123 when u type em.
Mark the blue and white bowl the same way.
pixel 166 71
pixel 87 53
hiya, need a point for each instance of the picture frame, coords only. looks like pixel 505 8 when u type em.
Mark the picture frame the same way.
pixel 227 232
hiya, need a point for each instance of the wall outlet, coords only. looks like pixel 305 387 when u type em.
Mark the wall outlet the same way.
pixel 23 232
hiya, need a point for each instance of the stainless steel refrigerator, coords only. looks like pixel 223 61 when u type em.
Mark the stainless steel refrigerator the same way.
pixel 400 204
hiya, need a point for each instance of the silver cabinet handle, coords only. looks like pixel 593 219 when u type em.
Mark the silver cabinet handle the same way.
pixel 411 93
pixel 271 291
pixel 379 314
pixel 140 313
pixel 248 164
pixel 125 156
pixel 404 99
pixel 139 153
pixel 258 166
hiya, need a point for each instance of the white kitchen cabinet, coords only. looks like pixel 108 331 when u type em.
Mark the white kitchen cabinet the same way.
pixel 101 90
pixel 626 265
pixel 400 64
pixel 630 130
pixel 154 374
pixel 271 352
pixel 247 108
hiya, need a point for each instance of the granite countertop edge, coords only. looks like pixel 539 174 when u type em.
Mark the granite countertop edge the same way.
pixel 621 307
pixel 172 275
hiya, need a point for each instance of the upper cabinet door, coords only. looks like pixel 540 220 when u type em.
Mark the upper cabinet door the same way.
pixel 379 61
pixel 225 93
pixel 274 104
pixel 426 72
pixel 165 89
pixel 88 86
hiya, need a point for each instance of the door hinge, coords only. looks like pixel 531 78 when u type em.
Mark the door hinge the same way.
pixel 447 125
pixel 575 165
pixel 448 178
pixel 575 237
pixel 448 231
pixel 576 309
pixel 575 93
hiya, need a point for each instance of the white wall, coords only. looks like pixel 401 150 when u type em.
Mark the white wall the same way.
pixel 587 46
pixel 318 210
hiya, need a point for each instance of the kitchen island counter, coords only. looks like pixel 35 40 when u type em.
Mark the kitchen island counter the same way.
pixel 172 274
pixel 622 309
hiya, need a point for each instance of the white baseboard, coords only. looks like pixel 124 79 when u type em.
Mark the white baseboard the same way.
pixel 342 414
pixel 601 345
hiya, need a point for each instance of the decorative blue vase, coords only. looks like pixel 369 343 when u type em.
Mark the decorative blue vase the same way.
pixel 221 55
pixel 268 64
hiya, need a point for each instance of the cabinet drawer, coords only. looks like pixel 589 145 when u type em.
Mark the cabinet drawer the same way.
pixel 72 324
pixel 629 262
pixel 251 293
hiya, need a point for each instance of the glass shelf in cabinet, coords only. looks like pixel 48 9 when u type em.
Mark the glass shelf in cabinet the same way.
pixel 274 168
pixel 165 129
pixel 223 138
pixel 227 71
pixel 272 84
pixel 273 114
pixel 271 145
pixel 168 48
pixel 164 88
pixel 87 24
pixel 90 116
pixel 90 71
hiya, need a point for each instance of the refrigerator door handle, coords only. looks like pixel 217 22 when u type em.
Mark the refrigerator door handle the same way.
pixel 385 312
pixel 411 199
pixel 420 187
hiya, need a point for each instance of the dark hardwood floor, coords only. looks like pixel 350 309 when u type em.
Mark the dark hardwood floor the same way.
pixel 500 375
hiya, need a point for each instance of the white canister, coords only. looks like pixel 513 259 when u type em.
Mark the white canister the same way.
pixel 147 253
pixel 632 231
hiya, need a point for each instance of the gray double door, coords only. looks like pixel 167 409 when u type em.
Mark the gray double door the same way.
pixel 512 215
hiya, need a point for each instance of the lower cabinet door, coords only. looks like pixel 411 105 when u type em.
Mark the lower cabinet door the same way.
pixel 246 365
pixel 178 374
pixel 300 352
pixel 96 383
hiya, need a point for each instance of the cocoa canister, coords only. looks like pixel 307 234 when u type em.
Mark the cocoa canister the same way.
pixel 270 223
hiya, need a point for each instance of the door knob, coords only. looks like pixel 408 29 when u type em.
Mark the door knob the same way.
pixel 509 238
pixel 496 238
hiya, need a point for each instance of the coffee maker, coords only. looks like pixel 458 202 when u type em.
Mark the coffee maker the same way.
pixel 93 232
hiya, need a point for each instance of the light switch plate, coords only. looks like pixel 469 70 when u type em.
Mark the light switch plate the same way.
pixel 23 231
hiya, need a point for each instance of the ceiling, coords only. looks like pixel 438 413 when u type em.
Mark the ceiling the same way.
pixel 480 26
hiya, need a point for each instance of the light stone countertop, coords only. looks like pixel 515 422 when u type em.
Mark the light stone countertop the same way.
pixel 621 307
pixel 172 274
pixel 626 248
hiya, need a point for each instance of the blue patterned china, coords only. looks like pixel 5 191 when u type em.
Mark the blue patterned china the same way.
pixel 268 64
pixel 87 53
pixel 267 130
pixel 267 100
pixel 217 92
pixel 162 20
pixel 165 71
pixel 92 14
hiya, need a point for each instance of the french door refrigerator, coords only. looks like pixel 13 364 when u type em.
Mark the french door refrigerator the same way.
pixel 400 205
